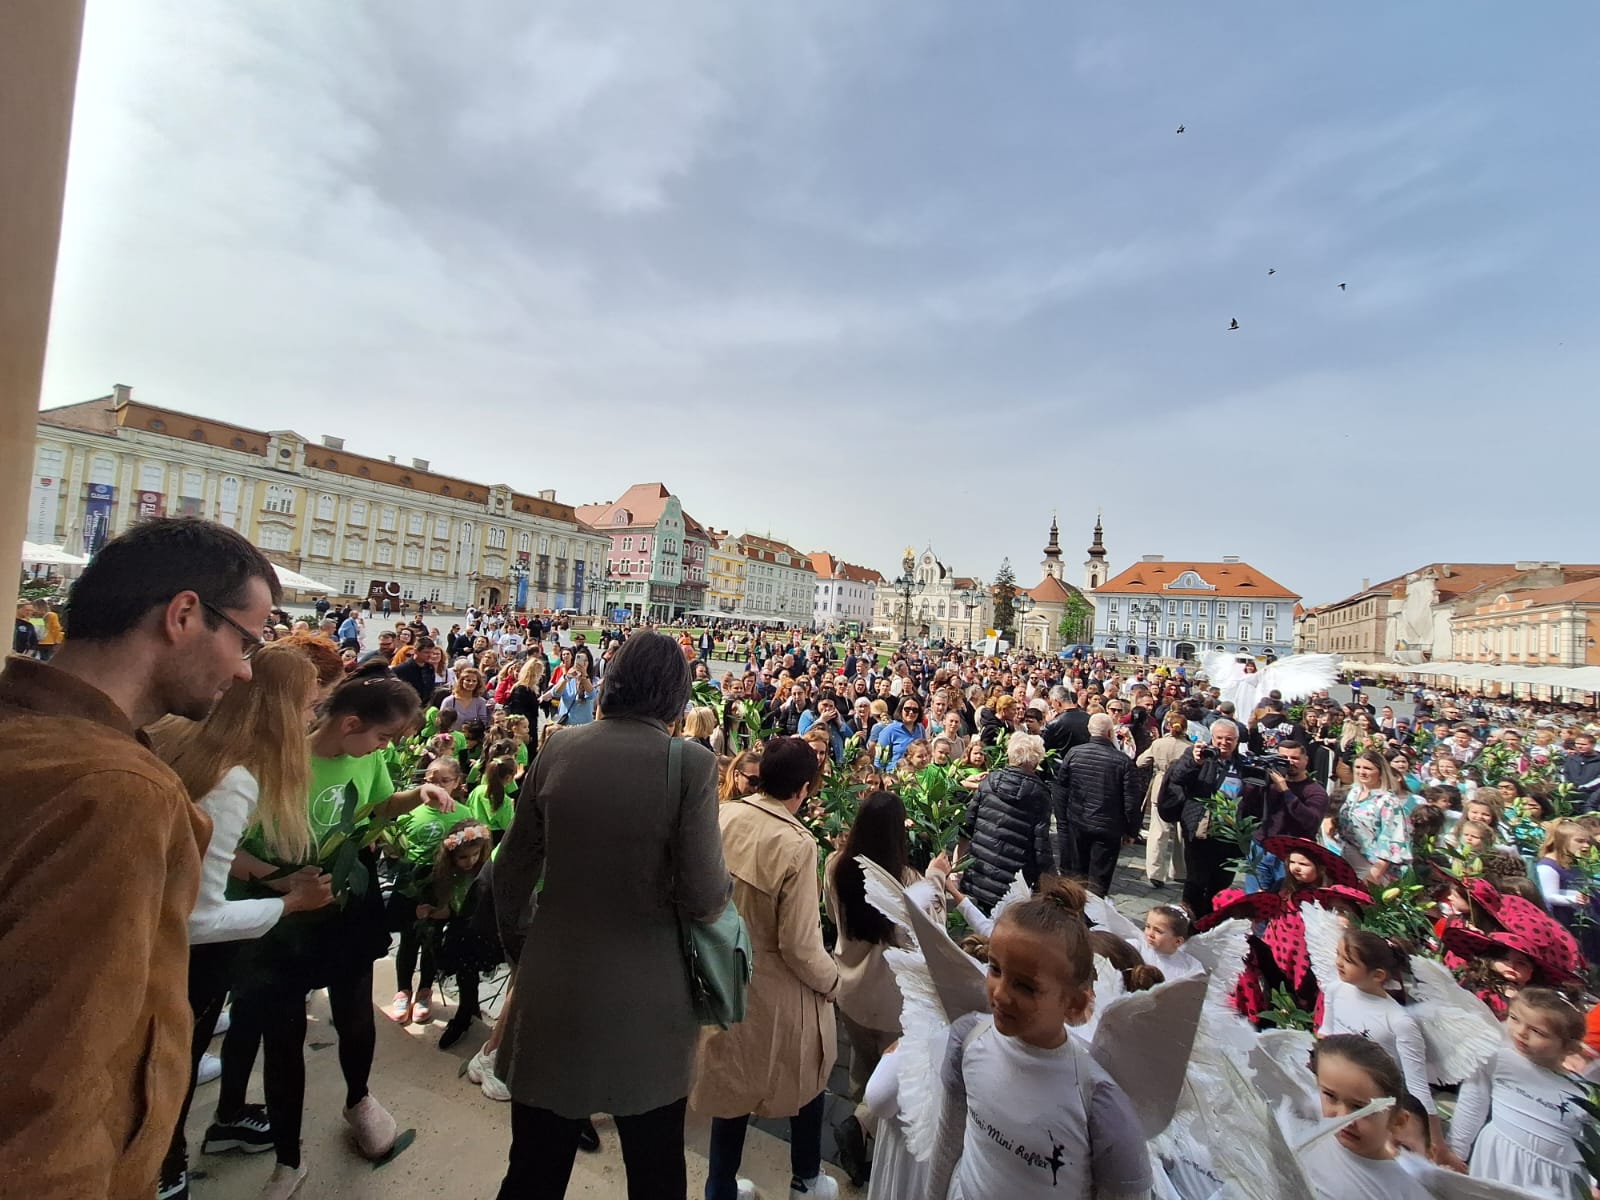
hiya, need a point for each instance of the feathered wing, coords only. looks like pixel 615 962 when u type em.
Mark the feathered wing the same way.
pixel 1103 914
pixel 1221 951
pixel 1143 1041
pixel 1443 1184
pixel 1323 935
pixel 1460 1032
pixel 939 984
pixel 1281 1059
pixel 1222 669
pixel 1019 890
pixel 1298 675
pixel 1246 1146
pixel 1302 1134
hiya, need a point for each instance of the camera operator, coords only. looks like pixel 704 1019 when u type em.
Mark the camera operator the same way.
pixel 1192 781
pixel 1292 804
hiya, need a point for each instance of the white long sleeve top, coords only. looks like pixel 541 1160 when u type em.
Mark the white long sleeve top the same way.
pixel 1347 1009
pixel 231 805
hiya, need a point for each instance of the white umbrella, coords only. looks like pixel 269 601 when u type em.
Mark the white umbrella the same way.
pixel 293 581
pixel 51 556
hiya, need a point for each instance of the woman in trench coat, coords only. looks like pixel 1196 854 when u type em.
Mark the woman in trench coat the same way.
pixel 776 1062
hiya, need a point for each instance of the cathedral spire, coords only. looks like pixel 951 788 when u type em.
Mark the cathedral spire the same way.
pixel 1095 571
pixel 1053 548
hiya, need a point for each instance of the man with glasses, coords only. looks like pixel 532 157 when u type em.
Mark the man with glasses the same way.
pixel 105 862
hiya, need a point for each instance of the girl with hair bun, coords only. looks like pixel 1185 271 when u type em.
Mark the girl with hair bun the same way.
pixel 1018 1071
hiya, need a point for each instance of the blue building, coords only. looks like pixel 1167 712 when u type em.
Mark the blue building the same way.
pixel 1182 609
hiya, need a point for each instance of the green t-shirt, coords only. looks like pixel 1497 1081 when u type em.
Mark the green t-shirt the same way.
pixel 328 777
pixel 482 809
pixel 522 754
pixel 424 828
pixel 460 740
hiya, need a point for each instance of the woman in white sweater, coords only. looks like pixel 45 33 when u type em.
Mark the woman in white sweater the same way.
pixel 245 763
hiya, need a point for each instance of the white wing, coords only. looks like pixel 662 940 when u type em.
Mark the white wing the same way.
pixel 1323 935
pixel 1143 1040
pixel 1222 669
pixel 1221 951
pixel 1302 1134
pixel 1282 1062
pixel 1297 676
pixel 1444 1184
pixel 956 978
pixel 1247 1147
pixel 1460 1031
pixel 1103 914
pixel 1019 890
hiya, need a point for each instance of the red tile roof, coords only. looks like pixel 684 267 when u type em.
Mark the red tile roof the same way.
pixel 1227 579
pixel 1050 590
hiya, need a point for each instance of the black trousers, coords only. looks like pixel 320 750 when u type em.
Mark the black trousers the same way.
pixel 210 975
pixel 1094 856
pixel 543 1146
pixel 1207 875
pixel 274 1018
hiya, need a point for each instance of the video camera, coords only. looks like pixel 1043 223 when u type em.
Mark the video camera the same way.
pixel 1255 769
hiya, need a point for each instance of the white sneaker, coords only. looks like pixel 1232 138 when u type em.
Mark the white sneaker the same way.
pixel 480 1069
pixel 223 1022
pixel 747 1189
pixel 210 1068
pixel 823 1187
pixel 283 1182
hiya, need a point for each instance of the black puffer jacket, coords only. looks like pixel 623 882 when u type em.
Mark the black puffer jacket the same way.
pixel 1097 790
pixel 1190 785
pixel 1008 828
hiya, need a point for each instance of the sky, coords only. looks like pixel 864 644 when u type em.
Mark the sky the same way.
pixel 866 273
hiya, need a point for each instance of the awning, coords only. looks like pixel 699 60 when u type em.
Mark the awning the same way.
pixel 293 581
pixel 50 556
pixel 1578 679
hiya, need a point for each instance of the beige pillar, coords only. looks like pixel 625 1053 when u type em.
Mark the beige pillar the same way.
pixel 39 42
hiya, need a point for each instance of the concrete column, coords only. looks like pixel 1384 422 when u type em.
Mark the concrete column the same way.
pixel 39 41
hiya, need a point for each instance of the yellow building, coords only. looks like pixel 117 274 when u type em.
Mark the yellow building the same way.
pixel 364 526
pixel 726 573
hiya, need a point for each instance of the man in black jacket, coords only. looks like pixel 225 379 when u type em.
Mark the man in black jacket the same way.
pixel 1191 783
pixel 1068 725
pixel 422 672
pixel 1097 802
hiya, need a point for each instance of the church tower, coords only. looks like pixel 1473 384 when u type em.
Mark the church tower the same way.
pixel 1051 566
pixel 1095 571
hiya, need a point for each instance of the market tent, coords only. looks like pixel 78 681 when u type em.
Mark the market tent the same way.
pixel 50 556
pixel 293 581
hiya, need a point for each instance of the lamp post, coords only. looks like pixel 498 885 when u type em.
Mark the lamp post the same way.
pixel 972 597
pixel 907 586
pixel 1152 612
pixel 519 574
pixel 1022 605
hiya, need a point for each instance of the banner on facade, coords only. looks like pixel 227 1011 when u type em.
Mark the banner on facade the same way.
pixel 97 517
pixel 42 502
pixel 149 504
pixel 380 590
pixel 577 585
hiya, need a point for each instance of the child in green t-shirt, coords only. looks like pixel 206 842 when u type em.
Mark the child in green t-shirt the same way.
pixel 490 802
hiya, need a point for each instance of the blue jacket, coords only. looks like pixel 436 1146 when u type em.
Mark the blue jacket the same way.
pixel 897 737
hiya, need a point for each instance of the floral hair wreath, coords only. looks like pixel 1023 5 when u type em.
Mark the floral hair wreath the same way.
pixel 462 837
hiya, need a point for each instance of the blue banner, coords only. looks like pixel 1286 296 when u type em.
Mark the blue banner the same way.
pixel 97 519
pixel 522 590
pixel 577 585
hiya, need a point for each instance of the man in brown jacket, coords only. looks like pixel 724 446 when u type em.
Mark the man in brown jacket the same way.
pixel 103 862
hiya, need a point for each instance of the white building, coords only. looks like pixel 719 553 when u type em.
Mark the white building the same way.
pixel 779 584
pixel 844 591
pixel 942 605
pixel 1180 609
pixel 365 526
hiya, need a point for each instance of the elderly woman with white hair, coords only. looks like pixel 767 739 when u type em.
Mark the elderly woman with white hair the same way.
pixel 1007 828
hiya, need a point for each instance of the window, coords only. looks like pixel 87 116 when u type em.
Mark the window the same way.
pixel 525 543
pixel 387 516
pixel 497 538
pixel 1188 608
pixel 321 545
pixel 1222 610
pixel 358 512
pixel 1204 631
pixel 624 567
pixel 325 507
pixel 274 537
pixel 434 595
pixel 1172 608
pixel 627 544
pixel 414 524
pixel 279 500
pixel 1244 633
pixel 1188 630
pixel 354 548
pixel 441 527
pixel 436 560
pixel 561 548
pixel 1172 629
pixel 1205 610
pixel 152 478
pixel 413 557
pixel 1272 612
pixel 1113 605
pixel 349 587
pixel 1111 625
pixel 1555 639
pixel 1244 610
pixel 544 542
pixel 1269 634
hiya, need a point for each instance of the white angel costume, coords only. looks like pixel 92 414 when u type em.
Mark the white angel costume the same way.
pixel 1294 678
pixel 896 1173
pixel 993 1116
pixel 1180 964
pixel 1516 1123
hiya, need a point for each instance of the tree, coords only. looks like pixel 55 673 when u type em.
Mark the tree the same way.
pixel 1077 622
pixel 1005 594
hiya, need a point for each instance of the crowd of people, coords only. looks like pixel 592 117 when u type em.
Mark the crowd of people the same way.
pixel 230 809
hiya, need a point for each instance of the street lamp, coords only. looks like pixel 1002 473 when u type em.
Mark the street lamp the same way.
pixel 519 577
pixel 1022 605
pixel 972 597
pixel 907 586
pixel 1151 612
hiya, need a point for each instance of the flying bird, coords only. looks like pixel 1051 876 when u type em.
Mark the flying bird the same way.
pixel 1272 270
pixel 1233 324
pixel 1180 128
pixel 1341 287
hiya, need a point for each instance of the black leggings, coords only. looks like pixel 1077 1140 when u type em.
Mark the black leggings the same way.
pixel 412 947
pixel 210 973
pixel 274 1016
pixel 543 1146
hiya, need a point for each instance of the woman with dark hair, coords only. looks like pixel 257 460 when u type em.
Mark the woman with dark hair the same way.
pixel 574 689
pixel 869 998
pixel 604 1020
pixel 776 1062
